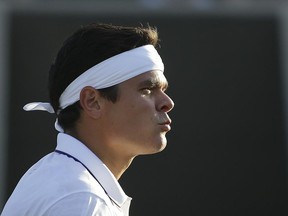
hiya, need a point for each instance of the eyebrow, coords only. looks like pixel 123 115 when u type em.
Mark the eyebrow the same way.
pixel 155 83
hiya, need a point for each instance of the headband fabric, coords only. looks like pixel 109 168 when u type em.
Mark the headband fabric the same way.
pixel 107 73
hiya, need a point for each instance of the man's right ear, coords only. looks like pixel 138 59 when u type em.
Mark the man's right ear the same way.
pixel 90 101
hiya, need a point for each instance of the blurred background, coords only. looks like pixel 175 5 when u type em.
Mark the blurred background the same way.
pixel 226 63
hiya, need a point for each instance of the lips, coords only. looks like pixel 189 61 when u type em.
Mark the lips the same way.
pixel 165 125
pixel 168 122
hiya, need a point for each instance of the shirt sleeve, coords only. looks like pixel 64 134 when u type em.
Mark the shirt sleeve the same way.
pixel 79 204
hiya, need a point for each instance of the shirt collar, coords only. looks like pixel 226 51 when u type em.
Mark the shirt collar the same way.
pixel 75 148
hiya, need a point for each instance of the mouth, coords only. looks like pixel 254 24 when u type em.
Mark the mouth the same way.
pixel 166 125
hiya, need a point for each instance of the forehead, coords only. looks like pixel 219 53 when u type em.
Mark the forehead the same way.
pixel 154 77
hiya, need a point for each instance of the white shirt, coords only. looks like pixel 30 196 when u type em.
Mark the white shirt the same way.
pixel 74 182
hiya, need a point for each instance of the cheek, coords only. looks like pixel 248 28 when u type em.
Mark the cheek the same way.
pixel 134 104
pixel 134 110
pixel 136 115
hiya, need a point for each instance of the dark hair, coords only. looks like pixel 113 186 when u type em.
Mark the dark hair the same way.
pixel 86 47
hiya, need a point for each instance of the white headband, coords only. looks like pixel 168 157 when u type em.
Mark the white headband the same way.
pixel 110 72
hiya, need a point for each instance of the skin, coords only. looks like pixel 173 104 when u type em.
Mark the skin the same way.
pixel 135 125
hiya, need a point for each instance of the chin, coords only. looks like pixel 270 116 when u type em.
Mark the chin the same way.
pixel 154 146
pixel 161 145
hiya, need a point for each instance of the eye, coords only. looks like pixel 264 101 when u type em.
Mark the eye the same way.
pixel 146 91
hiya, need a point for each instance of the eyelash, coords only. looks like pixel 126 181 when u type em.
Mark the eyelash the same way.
pixel 149 90
pixel 146 91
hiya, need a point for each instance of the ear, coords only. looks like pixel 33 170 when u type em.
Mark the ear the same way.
pixel 90 101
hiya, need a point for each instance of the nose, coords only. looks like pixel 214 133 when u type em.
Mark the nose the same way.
pixel 166 104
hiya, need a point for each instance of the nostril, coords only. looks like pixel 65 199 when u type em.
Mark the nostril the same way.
pixel 168 106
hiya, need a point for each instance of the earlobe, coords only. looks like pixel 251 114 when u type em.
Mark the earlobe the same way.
pixel 90 101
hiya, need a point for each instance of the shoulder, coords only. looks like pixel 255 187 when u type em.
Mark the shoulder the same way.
pixel 57 181
pixel 79 203
pixel 62 175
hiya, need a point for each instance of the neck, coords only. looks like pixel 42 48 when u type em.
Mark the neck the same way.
pixel 115 162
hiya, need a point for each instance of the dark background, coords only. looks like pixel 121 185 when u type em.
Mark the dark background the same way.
pixel 226 152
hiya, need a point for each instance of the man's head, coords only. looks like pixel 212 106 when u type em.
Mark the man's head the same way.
pixel 89 46
pixel 108 90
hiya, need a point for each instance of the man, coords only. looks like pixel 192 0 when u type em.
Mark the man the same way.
pixel 107 89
